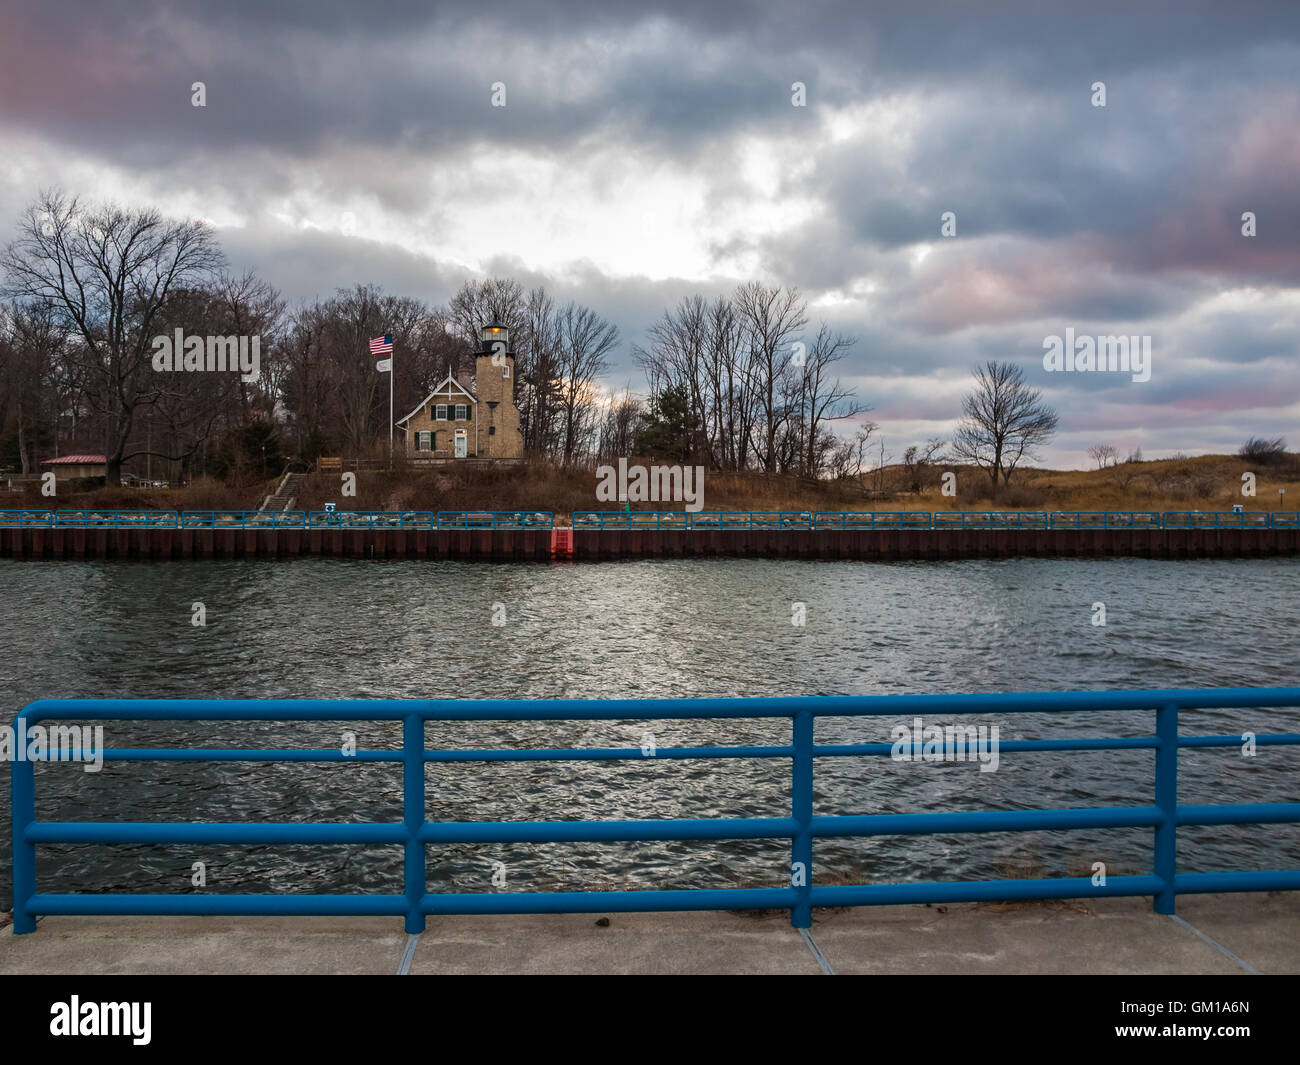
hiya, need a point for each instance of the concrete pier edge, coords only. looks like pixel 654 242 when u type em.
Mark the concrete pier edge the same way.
pixel 1223 935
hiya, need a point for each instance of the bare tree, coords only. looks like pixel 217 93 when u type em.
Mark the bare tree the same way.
pixel 748 399
pixel 732 405
pixel 479 302
pixel 770 319
pixel 35 361
pixel 849 459
pixel 249 306
pixel 179 419
pixel 586 339
pixel 436 349
pixel 353 316
pixel 618 432
pixel 918 461
pixel 821 398
pixel 1003 420
pixel 880 468
pixel 1103 455
pixel 537 373
pixel 678 359
pixel 108 273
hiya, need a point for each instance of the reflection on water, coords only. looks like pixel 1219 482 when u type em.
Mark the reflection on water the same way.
pixel 323 628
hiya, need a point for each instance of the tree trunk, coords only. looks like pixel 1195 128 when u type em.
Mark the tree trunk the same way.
pixel 23 459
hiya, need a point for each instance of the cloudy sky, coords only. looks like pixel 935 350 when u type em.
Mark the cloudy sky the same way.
pixel 647 152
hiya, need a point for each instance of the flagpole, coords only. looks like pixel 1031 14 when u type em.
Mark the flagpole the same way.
pixel 392 372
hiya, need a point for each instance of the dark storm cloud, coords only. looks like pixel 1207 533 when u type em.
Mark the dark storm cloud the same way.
pixel 306 266
pixel 1118 219
pixel 295 78
pixel 290 74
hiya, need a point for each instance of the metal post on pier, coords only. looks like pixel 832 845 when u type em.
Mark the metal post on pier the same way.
pixel 1166 841
pixel 416 881
pixel 801 809
pixel 24 813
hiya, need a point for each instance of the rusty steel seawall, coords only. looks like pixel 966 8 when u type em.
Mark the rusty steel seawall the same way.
pixel 932 544
pixel 504 545
pixel 489 545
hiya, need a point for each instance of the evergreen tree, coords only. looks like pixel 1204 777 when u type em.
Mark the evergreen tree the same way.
pixel 669 430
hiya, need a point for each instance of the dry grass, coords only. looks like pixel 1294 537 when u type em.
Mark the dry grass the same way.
pixel 204 493
pixel 1207 482
pixel 543 487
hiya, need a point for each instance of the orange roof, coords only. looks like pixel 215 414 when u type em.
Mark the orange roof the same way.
pixel 76 460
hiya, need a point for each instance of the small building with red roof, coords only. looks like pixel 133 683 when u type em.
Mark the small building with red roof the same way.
pixel 71 467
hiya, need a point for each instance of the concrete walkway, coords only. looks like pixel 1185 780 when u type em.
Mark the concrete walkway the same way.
pixel 1221 934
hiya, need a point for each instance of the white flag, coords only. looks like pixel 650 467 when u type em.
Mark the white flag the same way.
pixel 384 366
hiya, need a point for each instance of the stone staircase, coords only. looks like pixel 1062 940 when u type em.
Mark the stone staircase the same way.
pixel 283 497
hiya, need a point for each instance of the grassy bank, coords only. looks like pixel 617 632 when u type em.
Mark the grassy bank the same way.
pixel 1206 482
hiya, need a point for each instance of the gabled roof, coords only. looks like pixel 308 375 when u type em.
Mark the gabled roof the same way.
pixel 425 402
pixel 76 460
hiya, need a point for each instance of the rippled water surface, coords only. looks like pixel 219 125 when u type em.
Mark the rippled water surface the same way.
pixel 325 628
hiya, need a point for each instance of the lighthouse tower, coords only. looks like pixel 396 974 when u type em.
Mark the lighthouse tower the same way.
pixel 494 386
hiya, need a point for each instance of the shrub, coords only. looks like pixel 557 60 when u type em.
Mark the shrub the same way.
pixel 1264 452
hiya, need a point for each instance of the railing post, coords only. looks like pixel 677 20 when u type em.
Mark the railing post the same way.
pixel 413 819
pixel 23 794
pixel 1166 842
pixel 801 806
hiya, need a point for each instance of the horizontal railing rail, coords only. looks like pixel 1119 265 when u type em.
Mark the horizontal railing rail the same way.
pixel 927 521
pixel 628 520
pixel 414 832
pixel 243 519
pixel 370 519
pixel 1205 519
pixel 495 519
pixel 905 519
pixel 267 519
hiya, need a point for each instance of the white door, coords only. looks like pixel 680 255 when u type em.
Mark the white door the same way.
pixel 461 444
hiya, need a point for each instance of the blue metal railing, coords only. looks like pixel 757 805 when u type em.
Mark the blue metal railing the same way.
pixel 1255 519
pixel 904 519
pixel 924 520
pixel 645 519
pixel 242 519
pixel 265 519
pixel 495 519
pixel 414 832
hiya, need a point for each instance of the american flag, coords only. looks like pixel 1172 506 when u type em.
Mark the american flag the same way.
pixel 382 345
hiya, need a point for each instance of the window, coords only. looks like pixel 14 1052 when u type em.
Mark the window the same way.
pixel 505 370
pixel 492 430
pixel 423 441
pixel 462 412
pixel 442 412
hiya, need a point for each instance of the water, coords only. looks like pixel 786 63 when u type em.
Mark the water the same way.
pixel 321 628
